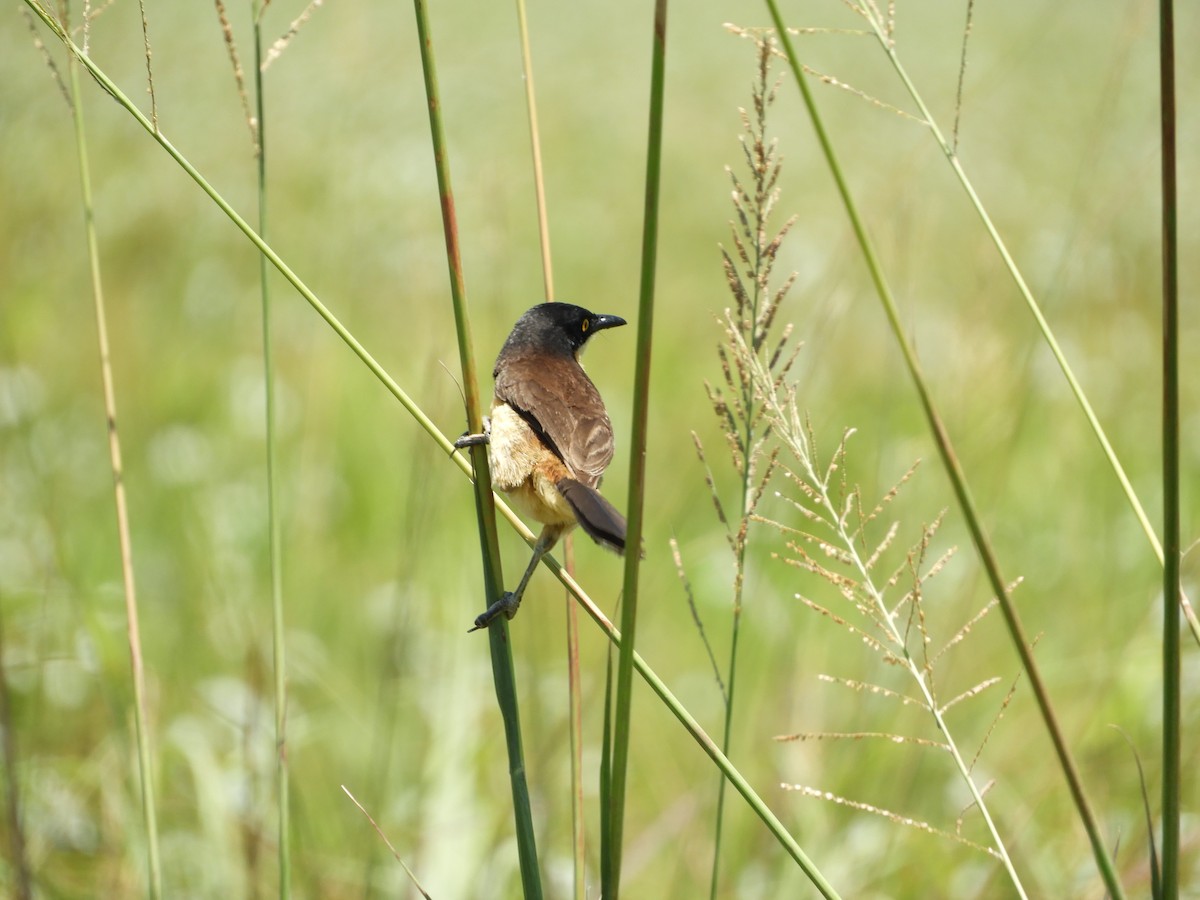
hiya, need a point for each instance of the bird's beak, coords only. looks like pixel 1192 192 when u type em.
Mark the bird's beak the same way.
pixel 600 322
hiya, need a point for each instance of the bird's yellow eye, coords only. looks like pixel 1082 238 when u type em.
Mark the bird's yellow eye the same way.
pixel 586 323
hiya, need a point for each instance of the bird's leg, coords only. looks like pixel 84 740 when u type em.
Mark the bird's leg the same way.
pixel 474 440
pixel 512 599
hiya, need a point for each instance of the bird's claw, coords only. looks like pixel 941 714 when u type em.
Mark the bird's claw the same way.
pixel 506 606
pixel 474 440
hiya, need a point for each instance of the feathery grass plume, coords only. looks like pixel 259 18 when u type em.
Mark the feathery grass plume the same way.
pixel 757 34
pixel 748 267
pixel 831 541
pixel 149 67
pixel 281 43
pixel 239 76
pixel 941 435
pixel 962 75
pixel 40 46
pixel 897 818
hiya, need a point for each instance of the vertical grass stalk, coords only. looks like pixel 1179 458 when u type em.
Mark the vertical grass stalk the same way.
pixel 575 729
pixel 637 467
pixel 498 636
pixel 1170 457
pixel 574 698
pixel 273 525
pixel 535 145
pixel 739 414
pixel 140 714
pixel 956 475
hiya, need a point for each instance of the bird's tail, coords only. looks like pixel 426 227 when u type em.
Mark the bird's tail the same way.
pixel 597 516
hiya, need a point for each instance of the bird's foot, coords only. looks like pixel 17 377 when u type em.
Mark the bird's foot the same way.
pixel 474 440
pixel 506 606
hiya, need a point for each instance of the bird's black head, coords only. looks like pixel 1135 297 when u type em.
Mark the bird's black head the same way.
pixel 558 328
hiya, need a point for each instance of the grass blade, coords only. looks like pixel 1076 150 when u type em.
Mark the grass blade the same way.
pixel 535 146
pixel 1171 787
pixel 498 637
pixel 637 468
pixel 278 649
pixel 140 715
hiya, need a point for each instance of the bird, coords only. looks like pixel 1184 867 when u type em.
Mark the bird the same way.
pixel 549 437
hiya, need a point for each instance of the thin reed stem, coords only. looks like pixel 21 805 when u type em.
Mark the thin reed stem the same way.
pixel 957 476
pixel 535 144
pixel 611 879
pixel 575 729
pixel 149 67
pixel 574 691
pixel 278 644
pixel 1172 688
pixel 498 636
pixel 140 710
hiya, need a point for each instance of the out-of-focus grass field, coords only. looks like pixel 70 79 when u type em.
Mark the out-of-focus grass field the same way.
pixel 387 693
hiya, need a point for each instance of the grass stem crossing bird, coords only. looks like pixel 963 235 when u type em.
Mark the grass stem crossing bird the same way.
pixel 549 437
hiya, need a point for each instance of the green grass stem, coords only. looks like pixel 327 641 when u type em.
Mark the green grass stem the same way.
pixel 731 678
pixel 278 647
pixel 575 730
pixel 574 691
pixel 659 688
pixel 957 476
pixel 535 149
pixel 1035 309
pixel 611 879
pixel 746 438
pixel 140 714
pixel 498 635
pixel 1172 688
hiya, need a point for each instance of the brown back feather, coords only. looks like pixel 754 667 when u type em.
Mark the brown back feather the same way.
pixel 562 405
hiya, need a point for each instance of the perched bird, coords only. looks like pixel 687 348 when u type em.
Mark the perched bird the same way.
pixel 549 437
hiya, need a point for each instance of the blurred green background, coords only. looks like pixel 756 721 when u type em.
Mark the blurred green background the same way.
pixel 388 695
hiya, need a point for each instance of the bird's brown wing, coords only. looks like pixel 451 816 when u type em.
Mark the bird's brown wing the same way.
pixel 559 401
